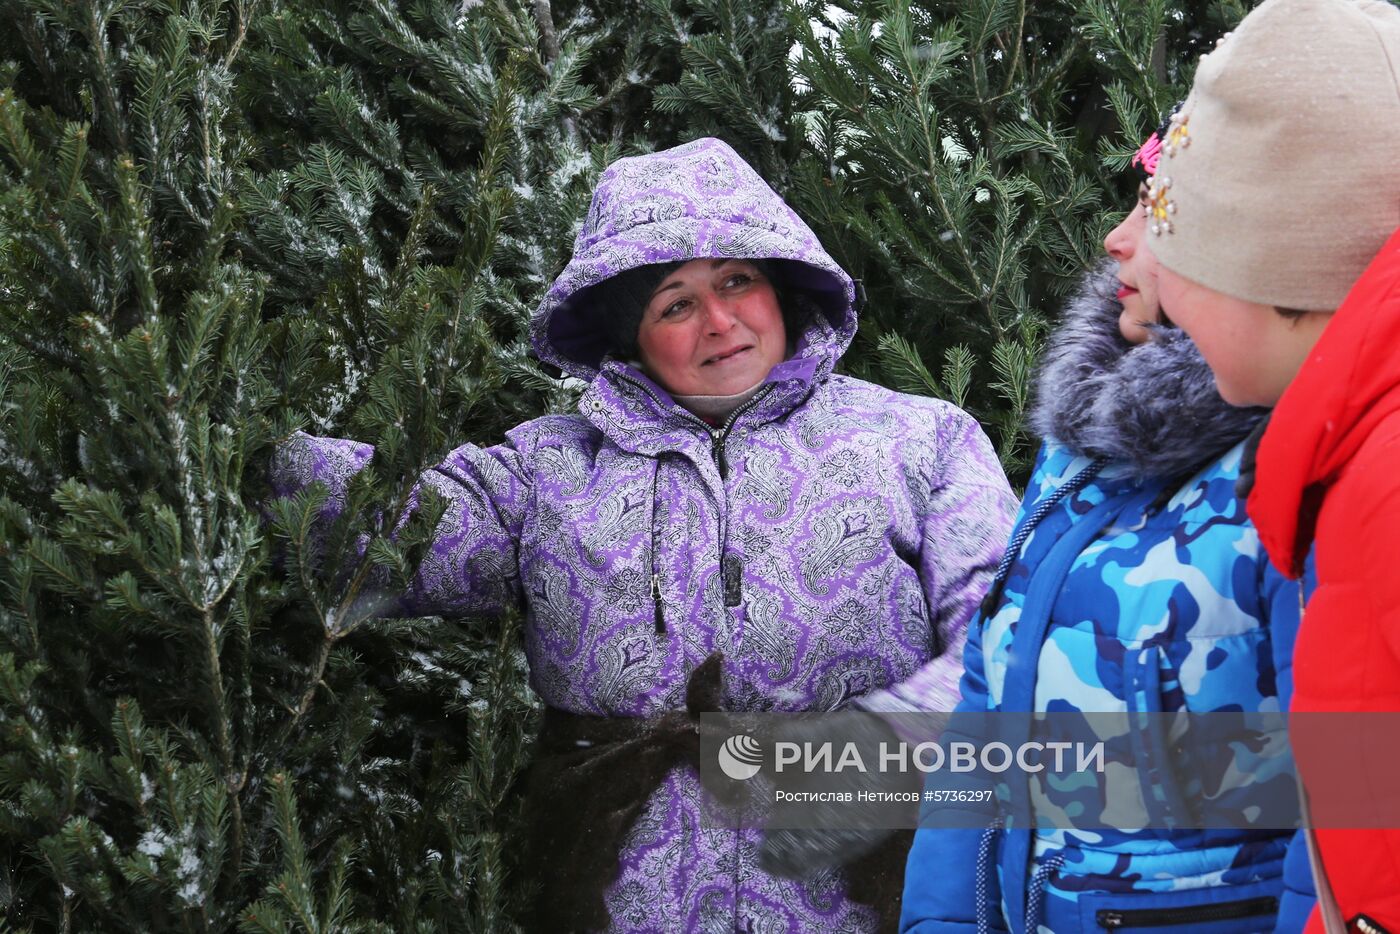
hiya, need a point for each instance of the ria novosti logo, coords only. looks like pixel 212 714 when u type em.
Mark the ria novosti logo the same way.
pixel 741 757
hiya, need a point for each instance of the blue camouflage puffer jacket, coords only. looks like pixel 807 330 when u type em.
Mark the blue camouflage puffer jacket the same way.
pixel 1166 603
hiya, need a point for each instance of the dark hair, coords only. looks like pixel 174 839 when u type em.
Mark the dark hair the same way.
pixel 620 301
pixel 1160 134
pixel 796 307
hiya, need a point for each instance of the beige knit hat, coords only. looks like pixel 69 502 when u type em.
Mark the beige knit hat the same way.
pixel 1280 177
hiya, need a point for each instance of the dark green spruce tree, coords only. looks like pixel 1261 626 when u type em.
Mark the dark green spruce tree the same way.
pixel 222 222
pixel 965 161
pixel 225 221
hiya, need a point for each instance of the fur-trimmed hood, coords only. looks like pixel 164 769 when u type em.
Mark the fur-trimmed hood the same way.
pixel 1152 407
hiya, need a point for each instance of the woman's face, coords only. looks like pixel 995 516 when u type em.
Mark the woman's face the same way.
pixel 1137 272
pixel 712 328
pixel 1253 351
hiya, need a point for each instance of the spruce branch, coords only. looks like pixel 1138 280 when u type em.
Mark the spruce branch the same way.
pixel 1017 41
pixel 243 11
pixel 906 368
pixel 103 78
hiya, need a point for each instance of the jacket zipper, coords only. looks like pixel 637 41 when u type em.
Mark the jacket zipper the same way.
pixel 1113 919
pixel 657 609
pixel 719 435
pixel 656 602
pixel 690 415
pixel 730 569
pixel 717 439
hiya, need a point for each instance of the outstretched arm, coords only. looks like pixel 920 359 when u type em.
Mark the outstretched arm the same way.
pixel 470 565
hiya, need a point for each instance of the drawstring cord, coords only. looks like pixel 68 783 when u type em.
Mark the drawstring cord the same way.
pixel 1013 548
pixel 1035 895
pixel 986 846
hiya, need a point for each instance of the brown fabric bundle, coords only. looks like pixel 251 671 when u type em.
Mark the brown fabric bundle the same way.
pixel 590 779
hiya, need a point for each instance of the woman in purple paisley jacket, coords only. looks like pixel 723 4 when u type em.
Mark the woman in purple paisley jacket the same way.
pixel 722 494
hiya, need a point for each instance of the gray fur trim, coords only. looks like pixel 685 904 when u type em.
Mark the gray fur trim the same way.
pixel 1152 407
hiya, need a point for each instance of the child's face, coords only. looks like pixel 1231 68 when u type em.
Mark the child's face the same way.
pixel 1253 350
pixel 1137 272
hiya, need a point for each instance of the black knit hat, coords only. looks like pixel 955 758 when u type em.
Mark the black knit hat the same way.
pixel 621 300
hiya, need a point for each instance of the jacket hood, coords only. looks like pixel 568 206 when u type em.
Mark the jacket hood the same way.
pixel 1346 387
pixel 1152 407
pixel 696 201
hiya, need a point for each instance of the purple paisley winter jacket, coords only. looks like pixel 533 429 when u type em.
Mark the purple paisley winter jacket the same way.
pixel 832 540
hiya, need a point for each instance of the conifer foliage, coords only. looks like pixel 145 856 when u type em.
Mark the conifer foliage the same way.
pixel 220 225
pixel 225 220
pixel 964 163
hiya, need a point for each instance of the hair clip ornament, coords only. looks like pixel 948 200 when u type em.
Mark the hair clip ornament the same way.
pixel 1148 155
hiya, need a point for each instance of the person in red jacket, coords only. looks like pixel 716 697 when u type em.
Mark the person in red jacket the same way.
pixel 1274 211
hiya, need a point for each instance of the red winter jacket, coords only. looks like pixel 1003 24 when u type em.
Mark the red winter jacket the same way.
pixel 1328 476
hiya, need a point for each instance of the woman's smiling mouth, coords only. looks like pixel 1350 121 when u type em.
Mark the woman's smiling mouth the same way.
pixel 727 355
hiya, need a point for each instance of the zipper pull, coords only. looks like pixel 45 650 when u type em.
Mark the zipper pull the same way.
pixel 1368 925
pixel 656 604
pixel 732 574
pixel 1110 920
pixel 721 464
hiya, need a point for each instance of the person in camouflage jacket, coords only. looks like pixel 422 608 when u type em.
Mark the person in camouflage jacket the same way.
pixel 1135 583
